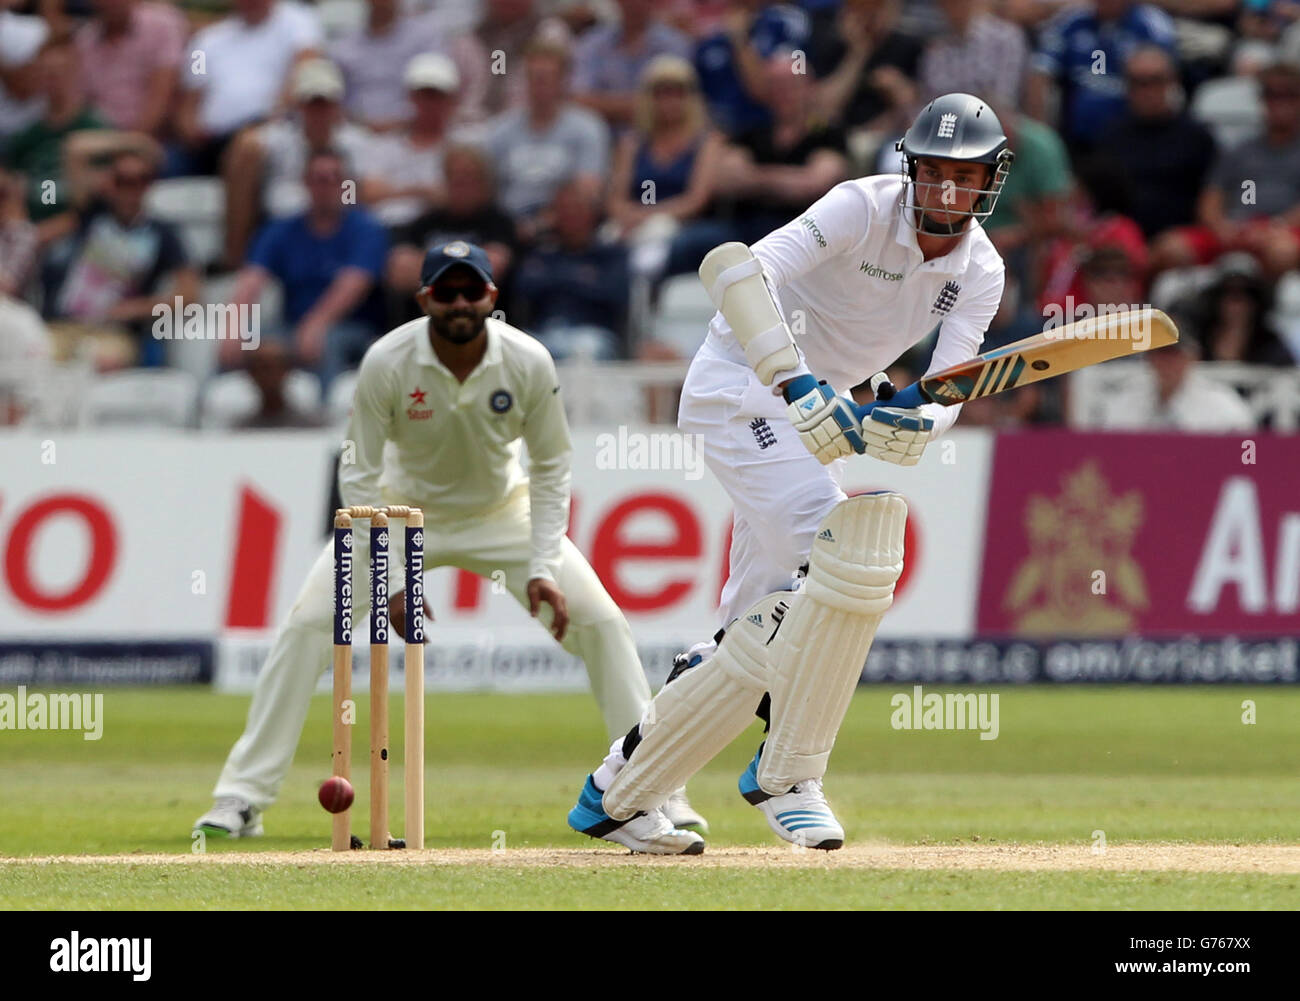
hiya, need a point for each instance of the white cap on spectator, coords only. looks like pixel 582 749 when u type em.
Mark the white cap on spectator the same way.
pixel 317 78
pixel 432 71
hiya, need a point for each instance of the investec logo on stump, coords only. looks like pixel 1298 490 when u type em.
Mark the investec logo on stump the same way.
pixel 75 954
pixel 213 321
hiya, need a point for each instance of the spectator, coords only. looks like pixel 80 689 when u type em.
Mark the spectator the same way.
pixel 665 172
pixel 37 151
pixel 977 54
pixel 403 174
pixel 499 45
pixel 543 145
pixel 776 171
pixel 268 367
pixel 374 60
pixel 329 260
pixel 264 168
pixel 1183 398
pixel 236 75
pixel 872 68
pixel 26 350
pixel 610 60
pixel 1272 21
pixel 1082 51
pixel 573 289
pixel 130 56
pixel 1230 318
pixel 103 281
pixel 21 38
pixel 1252 199
pixel 1107 266
pixel 469 213
pixel 1163 153
pixel 696 18
pixel 18 239
pixel 731 61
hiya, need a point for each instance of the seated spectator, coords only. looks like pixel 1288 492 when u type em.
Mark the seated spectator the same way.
pixel 235 76
pixel 542 146
pixel 1251 200
pixel 130 56
pixel 1081 51
pixel 731 61
pixel 1109 267
pixel 1164 154
pixel 104 279
pixel 21 38
pixel 18 239
pixel 1230 318
pixel 329 260
pixel 610 60
pixel 469 213
pixel 264 168
pixel 1268 20
pixel 774 172
pixel 497 47
pixel 269 367
pixel 978 53
pixel 696 18
pixel 573 290
pixel 374 60
pixel 37 151
pixel 26 349
pixel 871 68
pixel 403 174
pixel 664 172
pixel 1184 399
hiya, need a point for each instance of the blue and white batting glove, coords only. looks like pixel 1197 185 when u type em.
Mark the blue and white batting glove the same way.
pixel 827 424
pixel 895 434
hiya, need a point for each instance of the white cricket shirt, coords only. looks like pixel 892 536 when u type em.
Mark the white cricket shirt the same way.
pixel 452 447
pixel 854 287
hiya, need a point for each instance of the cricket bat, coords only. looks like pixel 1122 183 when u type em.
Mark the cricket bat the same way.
pixel 1049 353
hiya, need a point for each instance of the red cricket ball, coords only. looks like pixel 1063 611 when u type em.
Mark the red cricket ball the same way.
pixel 336 794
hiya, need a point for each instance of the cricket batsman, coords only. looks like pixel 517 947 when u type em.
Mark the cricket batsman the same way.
pixel 451 396
pixel 868 271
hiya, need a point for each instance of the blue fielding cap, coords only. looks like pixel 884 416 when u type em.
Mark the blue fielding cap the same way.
pixel 439 259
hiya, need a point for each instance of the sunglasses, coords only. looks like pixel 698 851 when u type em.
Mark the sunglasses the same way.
pixel 131 180
pixel 447 294
pixel 1281 95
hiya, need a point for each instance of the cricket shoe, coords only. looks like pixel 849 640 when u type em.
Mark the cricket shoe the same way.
pixel 651 832
pixel 801 816
pixel 231 817
pixel 681 814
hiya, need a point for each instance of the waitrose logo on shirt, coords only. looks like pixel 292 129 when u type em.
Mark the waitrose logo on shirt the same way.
pixel 872 271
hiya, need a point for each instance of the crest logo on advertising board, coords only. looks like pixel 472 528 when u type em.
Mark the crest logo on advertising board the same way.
pixel 1084 529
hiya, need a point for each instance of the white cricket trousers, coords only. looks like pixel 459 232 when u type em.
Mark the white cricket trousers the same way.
pixel 598 634
pixel 779 490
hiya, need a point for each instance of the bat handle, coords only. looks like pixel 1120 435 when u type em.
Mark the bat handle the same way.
pixel 882 387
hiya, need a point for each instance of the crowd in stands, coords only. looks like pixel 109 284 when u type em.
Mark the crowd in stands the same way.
pixel 599 148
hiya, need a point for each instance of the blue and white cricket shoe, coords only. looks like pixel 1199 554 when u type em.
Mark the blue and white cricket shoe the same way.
pixel 801 816
pixel 651 832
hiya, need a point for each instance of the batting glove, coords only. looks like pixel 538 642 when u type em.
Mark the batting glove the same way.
pixel 896 434
pixel 827 424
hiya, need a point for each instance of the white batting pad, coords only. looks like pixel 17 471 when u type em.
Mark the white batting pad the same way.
pixel 700 713
pixel 734 278
pixel 856 560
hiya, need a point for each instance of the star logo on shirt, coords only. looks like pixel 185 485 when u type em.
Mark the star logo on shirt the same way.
pixel 419 395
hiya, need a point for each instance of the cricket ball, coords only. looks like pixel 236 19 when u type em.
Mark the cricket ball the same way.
pixel 336 794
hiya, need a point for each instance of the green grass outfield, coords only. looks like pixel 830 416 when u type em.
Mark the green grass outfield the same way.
pixel 934 819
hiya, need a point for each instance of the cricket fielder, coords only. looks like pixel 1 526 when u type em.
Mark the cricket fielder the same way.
pixel 451 397
pixel 868 271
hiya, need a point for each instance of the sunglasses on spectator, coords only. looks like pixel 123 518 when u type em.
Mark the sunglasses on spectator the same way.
pixel 669 88
pixel 131 180
pixel 446 294
pixel 1273 94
